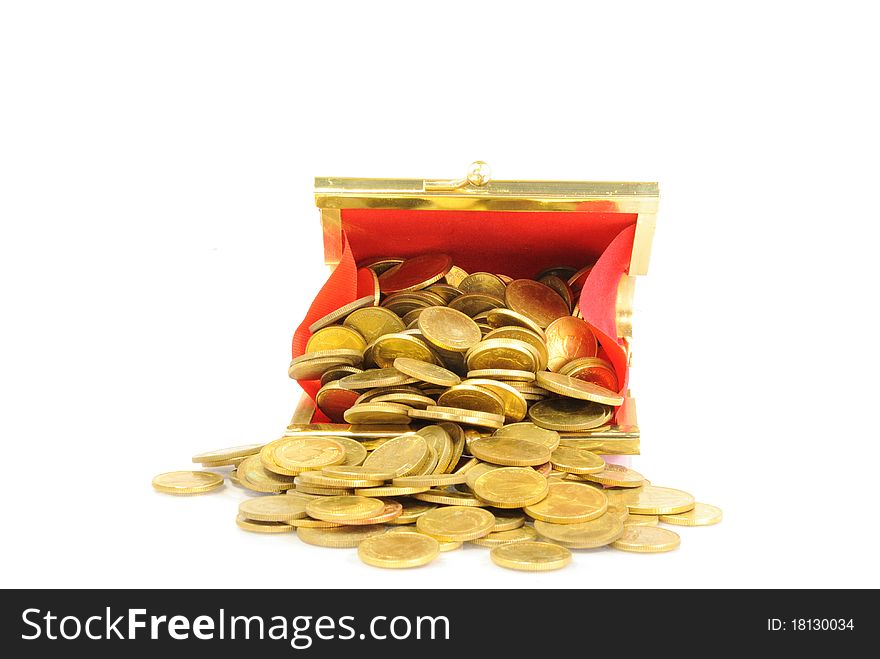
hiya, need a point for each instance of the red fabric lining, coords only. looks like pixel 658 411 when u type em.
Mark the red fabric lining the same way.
pixel 518 244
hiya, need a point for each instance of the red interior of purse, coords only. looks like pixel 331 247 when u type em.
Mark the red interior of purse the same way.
pixel 515 243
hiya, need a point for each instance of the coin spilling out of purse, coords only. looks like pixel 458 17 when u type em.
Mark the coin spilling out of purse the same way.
pixel 465 408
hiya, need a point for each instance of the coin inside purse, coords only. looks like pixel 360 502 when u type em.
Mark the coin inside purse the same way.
pixel 519 244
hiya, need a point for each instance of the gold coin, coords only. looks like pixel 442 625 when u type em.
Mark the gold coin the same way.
pixel 535 301
pixel 483 282
pixel 322 480
pixel 231 453
pixel 440 444
pixel 455 276
pixel 560 286
pixel 344 508
pixel 653 500
pixel 398 550
pixel 426 372
pixel 565 385
pixel 280 508
pixel 429 480
pixel 530 432
pixel 508 354
pixel 334 400
pixel 381 264
pixel 457 437
pixel 357 472
pixel 373 322
pixel 454 415
pixel 355 452
pixel 702 514
pixel 502 317
pixel 445 545
pixel 449 498
pixel 262 527
pixel 338 536
pixel 647 540
pixel 337 373
pixel 569 503
pixel 472 397
pixel 525 335
pixel 568 414
pixel 187 482
pixel 341 313
pixel 498 538
pixel 375 413
pixel 375 377
pixel 456 523
pixel 232 462
pixel 372 394
pixel 297 454
pixel 449 329
pixel 320 490
pixel 598 532
pixel 393 509
pixel 507 520
pixel 642 520
pixel 344 355
pixel 616 476
pixel 387 348
pixel 308 522
pixel 415 273
pixel 576 461
pixel 446 291
pixel 472 304
pixel 531 556
pixel 403 304
pixel 314 368
pixel 509 451
pixel 511 487
pixel 592 369
pixel 405 398
pixel 253 475
pixel 412 510
pixel 569 338
pixel 391 490
pixel 335 337
pixel 502 374
pixel 400 456
pixel 472 474
pixel 515 406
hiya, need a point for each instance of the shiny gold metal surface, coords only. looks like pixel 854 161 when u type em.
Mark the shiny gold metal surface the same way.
pixel 426 372
pixel 569 338
pixel 531 556
pixel 335 337
pixel 598 532
pixel 373 322
pixel 702 514
pixel 398 550
pixel 573 388
pixel 647 540
pixel 456 523
pixel 187 482
pixel 511 487
pixel 569 414
pixel 448 329
pixel 568 503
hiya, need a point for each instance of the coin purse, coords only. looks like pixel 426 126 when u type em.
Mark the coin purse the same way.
pixel 515 228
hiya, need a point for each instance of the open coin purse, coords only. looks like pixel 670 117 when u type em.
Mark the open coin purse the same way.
pixel 513 228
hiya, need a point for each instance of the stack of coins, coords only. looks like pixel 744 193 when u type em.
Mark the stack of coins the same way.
pixel 498 384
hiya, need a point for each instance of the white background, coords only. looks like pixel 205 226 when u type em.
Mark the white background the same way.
pixel 160 244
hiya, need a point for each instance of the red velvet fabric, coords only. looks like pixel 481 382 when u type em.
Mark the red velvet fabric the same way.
pixel 518 244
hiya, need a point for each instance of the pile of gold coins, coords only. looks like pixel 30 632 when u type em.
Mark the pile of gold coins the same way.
pixel 469 402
